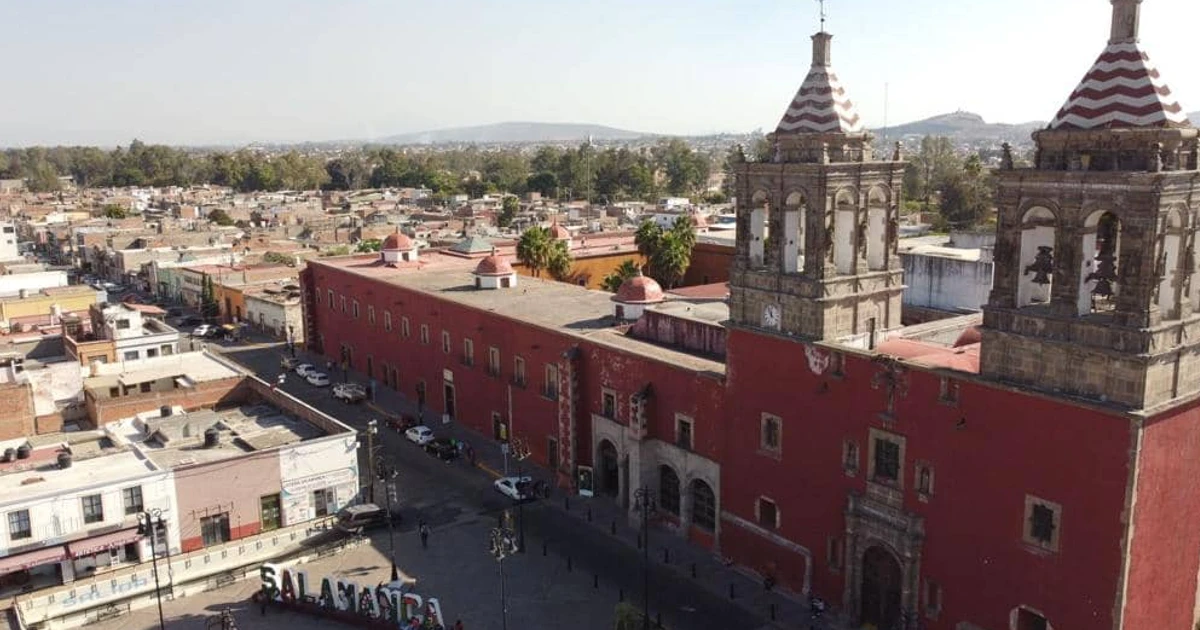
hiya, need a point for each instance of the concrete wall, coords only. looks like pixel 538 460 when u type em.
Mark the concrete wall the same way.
pixel 32 282
pixel 16 411
pixel 710 263
pixel 329 463
pixel 204 395
pixel 233 486
pixel 946 283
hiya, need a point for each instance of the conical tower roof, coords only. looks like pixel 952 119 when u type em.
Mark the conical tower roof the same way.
pixel 1123 88
pixel 821 105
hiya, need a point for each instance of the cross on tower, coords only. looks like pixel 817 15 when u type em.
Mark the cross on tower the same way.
pixel 822 3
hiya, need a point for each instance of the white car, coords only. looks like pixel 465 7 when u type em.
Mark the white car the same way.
pixel 317 379
pixel 304 369
pixel 515 488
pixel 202 330
pixel 419 435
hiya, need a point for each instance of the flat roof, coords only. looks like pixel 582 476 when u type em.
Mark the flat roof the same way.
pixel 558 306
pixel 44 477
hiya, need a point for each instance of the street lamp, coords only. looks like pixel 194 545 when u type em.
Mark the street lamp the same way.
pixel 644 502
pixel 501 546
pixel 372 430
pixel 389 474
pixel 148 524
pixel 520 452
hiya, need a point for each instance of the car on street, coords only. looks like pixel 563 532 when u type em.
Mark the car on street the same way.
pixel 515 488
pixel 419 435
pixel 349 392
pixel 354 519
pixel 442 448
pixel 304 368
pixel 192 320
pixel 288 363
pixel 203 330
pixel 317 379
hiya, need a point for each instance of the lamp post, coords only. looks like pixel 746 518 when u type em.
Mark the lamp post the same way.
pixel 501 546
pixel 520 452
pixel 644 502
pixel 389 474
pixel 148 523
pixel 372 429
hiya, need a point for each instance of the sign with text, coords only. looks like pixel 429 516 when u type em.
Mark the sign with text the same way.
pixel 386 603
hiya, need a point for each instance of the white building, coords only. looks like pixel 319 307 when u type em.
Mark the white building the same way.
pixel 135 334
pixel 8 241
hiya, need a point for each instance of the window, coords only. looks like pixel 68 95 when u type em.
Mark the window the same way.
pixel 683 432
pixel 771 434
pixel 166 350
pixel 425 334
pixel 18 525
pixel 354 308
pixel 93 508
pixel 704 506
pixel 886 459
pixel 270 513
pixel 131 355
pixel 323 501
pixel 1043 523
pixel 850 457
pixel 343 304
pixel 370 315
pixel 768 513
pixel 833 553
pixel 1029 620
pixel 468 357
pixel 132 498
pixel 552 453
pixel 445 342
pixel 948 393
pixel 214 529
pixel 837 364
pixel 668 489
pixel 151 353
pixel 519 371
pixel 493 361
pixel 144 387
pixel 608 404
pixel 933 599
pixel 550 387
pixel 404 330
pixel 387 321
pixel 122 324
pixel 924 480
pixel 331 307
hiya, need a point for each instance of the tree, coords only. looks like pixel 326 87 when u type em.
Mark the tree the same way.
pixel 627 617
pixel 559 261
pixel 208 299
pixel 368 245
pixel 930 168
pixel 668 252
pixel 966 196
pixel 337 250
pixel 508 211
pixel 277 258
pixel 113 211
pixel 539 251
pixel 626 270
pixel 220 217
pixel 544 182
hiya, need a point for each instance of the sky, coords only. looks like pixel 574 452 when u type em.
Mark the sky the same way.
pixel 202 72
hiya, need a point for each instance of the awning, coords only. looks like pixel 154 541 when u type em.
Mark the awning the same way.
pixel 96 544
pixel 30 559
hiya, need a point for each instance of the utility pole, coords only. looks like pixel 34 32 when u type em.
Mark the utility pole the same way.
pixel 148 525
pixel 644 500
pixel 502 546
pixel 389 473
pixel 372 429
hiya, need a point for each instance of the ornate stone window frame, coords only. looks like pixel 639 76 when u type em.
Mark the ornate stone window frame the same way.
pixel 764 447
pixel 1052 546
pixel 877 435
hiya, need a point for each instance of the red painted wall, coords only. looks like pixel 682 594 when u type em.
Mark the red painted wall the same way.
pixel 234 485
pixel 1010 445
pixel 1165 552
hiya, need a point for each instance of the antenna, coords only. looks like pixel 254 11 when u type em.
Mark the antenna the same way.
pixel 885 113
pixel 823 14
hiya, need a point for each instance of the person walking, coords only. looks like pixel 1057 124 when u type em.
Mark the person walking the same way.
pixel 423 529
pixel 458 625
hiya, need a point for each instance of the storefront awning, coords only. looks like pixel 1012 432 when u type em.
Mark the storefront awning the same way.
pixel 30 559
pixel 97 544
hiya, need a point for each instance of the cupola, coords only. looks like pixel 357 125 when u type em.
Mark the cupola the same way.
pixel 635 294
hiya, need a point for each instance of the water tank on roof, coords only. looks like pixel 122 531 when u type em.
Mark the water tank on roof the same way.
pixel 64 460
pixel 164 411
pixel 23 451
pixel 10 454
pixel 212 437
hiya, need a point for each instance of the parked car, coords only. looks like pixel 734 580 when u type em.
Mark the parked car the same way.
pixel 442 448
pixel 288 363
pixel 304 368
pixel 192 320
pixel 419 435
pixel 349 392
pixel 317 379
pixel 515 488
pixel 354 519
pixel 203 330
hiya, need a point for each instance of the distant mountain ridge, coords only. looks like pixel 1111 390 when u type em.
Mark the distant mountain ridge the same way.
pixel 1194 117
pixel 508 132
pixel 965 126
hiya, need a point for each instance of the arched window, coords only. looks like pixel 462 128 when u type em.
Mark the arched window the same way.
pixel 668 489
pixel 1166 267
pixel 704 506
pixel 1099 284
pixel 1038 231
pixel 875 249
pixel 844 232
pixel 758 228
pixel 792 240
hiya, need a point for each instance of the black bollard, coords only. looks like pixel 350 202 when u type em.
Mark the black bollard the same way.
pixel 693 570
pixel 589 515
pixel 639 541
pixel 543 548
pixel 595 580
pixel 620 595
pixel 567 503
pixel 772 611
pixel 568 564
pixel 666 555
pixel 732 593
pixel 658 619
pixel 613 528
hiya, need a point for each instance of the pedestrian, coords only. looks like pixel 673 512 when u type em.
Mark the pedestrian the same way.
pixel 458 625
pixel 423 529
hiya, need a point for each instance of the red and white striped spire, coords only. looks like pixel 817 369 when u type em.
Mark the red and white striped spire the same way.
pixel 821 105
pixel 1123 88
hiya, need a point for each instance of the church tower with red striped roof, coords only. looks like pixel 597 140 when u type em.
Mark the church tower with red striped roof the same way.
pixel 817 222
pixel 1094 292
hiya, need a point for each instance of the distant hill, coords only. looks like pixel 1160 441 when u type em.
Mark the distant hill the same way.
pixel 1194 117
pixel 515 132
pixel 964 126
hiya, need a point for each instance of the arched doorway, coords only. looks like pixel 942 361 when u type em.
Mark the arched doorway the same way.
pixel 880 588
pixel 610 476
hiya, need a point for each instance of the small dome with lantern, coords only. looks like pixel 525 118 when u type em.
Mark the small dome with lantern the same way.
pixel 635 294
pixel 494 272
pixel 398 247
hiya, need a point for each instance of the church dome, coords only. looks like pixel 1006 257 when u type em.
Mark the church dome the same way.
pixel 639 290
pixel 559 233
pixel 396 241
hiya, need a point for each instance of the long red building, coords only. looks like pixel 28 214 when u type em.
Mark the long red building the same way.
pixel 1031 468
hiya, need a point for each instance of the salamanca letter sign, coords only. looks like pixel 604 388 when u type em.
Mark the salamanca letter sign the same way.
pixel 385 603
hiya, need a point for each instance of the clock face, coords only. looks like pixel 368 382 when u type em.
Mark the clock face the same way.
pixel 770 318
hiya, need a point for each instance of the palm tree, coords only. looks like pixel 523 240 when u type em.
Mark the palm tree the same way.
pixel 668 252
pixel 626 270
pixel 558 260
pixel 533 250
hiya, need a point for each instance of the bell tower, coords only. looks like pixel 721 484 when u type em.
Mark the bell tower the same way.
pixel 1094 292
pixel 817 222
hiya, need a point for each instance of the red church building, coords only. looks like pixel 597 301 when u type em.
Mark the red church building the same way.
pixel 1030 468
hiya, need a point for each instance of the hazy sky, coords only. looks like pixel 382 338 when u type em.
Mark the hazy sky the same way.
pixel 238 71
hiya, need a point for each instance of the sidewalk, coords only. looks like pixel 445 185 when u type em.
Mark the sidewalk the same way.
pixel 689 562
